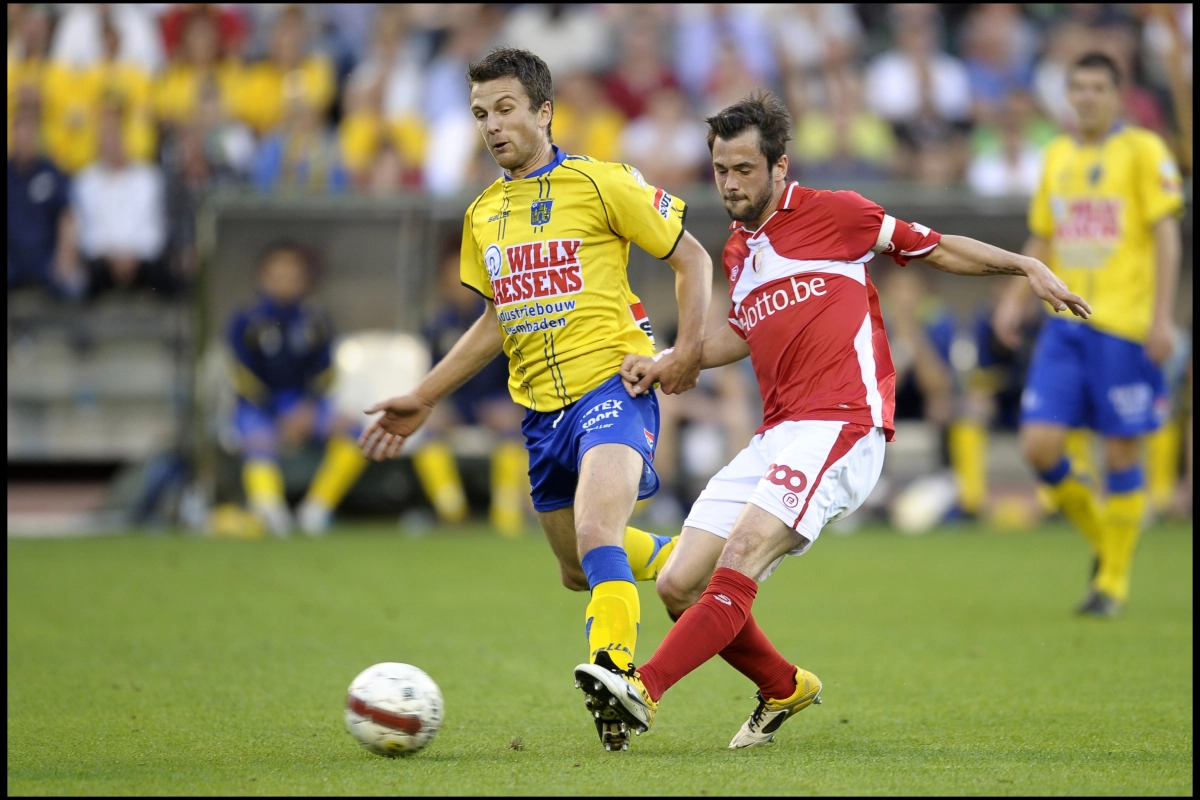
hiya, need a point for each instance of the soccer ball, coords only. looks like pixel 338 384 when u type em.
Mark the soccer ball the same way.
pixel 393 709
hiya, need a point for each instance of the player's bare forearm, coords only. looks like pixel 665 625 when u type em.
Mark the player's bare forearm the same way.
pixel 1161 339
pixel 723 347
pixel 693 292
pixel 482 342
pixel 1167 248
pixel 962 255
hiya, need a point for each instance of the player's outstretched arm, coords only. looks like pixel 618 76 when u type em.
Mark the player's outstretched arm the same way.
pixel 1167 246
pixel 679 370
pixel 718 349
pixel 403 415
pixel 1009 315
pixel 962 255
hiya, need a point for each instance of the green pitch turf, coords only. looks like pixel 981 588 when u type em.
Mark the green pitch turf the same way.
pixel 952 665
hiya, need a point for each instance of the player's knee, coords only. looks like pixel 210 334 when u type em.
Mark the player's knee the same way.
pixel 1040 450
pixel 677 593
pixel 574 580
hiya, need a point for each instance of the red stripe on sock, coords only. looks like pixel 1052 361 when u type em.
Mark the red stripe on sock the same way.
pixel 752 654
pixel 704 630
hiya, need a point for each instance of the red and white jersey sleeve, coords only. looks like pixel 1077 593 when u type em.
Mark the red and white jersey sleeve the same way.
pixel 904 241
pixel 804 302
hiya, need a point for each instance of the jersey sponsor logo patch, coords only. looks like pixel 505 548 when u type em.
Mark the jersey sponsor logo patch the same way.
pixel 765 304
pixel 642 320
pixel 493 260
pixel 723 599
pixel 539 212
pixel 649 440
pixel 919 228
pixel 538 270
pixel 662 202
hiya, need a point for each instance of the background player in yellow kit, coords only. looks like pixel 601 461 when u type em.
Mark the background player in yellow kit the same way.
pixel 1105 219
pixel 547 246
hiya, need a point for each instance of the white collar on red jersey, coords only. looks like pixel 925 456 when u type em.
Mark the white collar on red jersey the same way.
pixel 789 202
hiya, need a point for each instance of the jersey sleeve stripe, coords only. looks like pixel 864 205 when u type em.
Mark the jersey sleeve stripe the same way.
pixel 678 238
pixel 915 253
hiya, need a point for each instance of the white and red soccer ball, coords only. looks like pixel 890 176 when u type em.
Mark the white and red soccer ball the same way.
pixel 393 709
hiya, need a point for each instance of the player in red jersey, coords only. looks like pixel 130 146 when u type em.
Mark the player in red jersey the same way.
pixel 805 311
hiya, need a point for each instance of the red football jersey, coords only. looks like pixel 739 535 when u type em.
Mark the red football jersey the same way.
pixel 803 301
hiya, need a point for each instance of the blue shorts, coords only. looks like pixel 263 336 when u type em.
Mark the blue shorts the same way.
pixel 1080 377
pixel 557 440
pixel 258 428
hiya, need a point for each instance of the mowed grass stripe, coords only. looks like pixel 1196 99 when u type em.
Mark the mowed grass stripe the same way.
pixel 951 662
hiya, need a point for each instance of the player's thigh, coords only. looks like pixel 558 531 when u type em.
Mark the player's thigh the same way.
pixel 1056 384
pixel 559 527
pixel 758 541
pixel 820 472
pixel 688 569
pixel 609 475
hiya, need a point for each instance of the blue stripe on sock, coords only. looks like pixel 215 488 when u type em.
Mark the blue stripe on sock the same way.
pixel 1128 481
pixel 608 563
pixel 1054 476
pixel 659 543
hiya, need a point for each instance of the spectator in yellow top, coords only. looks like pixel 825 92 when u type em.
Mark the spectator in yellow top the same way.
pixel 288 75
pixel 75 96
pixel 28 43
pixel 198 60
pixel 584 122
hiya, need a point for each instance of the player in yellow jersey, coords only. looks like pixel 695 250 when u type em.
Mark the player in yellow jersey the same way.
pixel 1105 219
pixel 547 246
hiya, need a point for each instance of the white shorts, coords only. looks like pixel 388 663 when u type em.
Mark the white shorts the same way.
pixel 807 473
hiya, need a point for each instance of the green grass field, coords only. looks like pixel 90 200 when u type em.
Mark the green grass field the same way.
pixel 951 662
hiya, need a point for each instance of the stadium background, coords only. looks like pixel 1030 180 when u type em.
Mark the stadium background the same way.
pixel 345 127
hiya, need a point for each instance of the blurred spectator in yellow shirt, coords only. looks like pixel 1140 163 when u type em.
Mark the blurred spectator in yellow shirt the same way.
pixel 847 142
pixel 76 95
pixel 28 43
pixel 383 135
pixel 584 122
pixel 197 60
pixel 300 156
pixel 288 75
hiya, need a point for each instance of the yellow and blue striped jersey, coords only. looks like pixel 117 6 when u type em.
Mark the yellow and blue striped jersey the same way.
pixel 1097 204
pixel 551 250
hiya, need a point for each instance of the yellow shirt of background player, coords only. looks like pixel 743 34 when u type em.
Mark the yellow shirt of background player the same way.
pixel 552 252
pixel 1097 206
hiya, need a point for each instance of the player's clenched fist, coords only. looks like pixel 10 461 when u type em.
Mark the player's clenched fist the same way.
pixel 633 368
pixel 401 417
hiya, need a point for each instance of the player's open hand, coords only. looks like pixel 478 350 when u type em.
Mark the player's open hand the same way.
pixel 632 369
pixel 1053 290
pixel 401 417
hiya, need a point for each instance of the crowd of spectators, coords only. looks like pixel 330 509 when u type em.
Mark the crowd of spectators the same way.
pixel 140 109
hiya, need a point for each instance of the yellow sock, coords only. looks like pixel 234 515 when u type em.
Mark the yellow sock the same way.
pixel 968 457
pixel 340 468
pixel 1123 515
pixel 263 482
pixel 1162 464
pixel 510 485
pixel 1077 502
pixel 647 553
pixel 1078 447
pixel 439 477
pixel 612 621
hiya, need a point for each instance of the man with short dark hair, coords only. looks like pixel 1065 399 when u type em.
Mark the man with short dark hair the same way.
pixel 805 311
pixel 1106 219
pixel 547 247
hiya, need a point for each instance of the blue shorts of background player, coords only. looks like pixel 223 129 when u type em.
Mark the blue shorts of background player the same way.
pixel 258 426
pixel 1080 377
pixel 557 440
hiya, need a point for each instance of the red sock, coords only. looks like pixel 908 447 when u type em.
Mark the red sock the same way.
pixel 753 655
pixel 704 630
